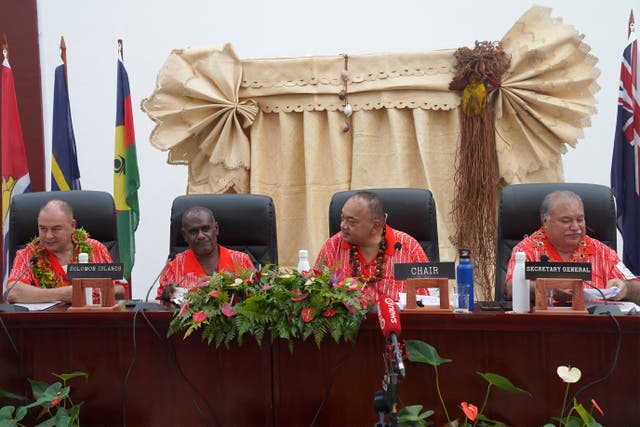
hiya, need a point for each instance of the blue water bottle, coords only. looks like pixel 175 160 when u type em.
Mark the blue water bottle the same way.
pixel 465 273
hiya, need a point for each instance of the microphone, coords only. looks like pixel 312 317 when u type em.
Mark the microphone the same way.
pixel 544 258
pixel 6 307
pixel 154 306
pixel 389 319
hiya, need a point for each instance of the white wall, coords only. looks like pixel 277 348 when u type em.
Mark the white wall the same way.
pixel 150 29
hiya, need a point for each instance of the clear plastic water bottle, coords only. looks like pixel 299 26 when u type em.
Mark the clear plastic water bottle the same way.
pixel 520 286
pixel 464 273
pixel 303 260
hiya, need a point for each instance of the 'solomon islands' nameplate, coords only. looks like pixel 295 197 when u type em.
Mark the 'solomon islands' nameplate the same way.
pixel 95 271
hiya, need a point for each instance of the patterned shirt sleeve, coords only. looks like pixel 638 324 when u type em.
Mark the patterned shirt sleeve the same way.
pixel 20 265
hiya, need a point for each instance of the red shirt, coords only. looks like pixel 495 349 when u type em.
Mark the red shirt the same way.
pixel 186 270
pixel 335 253
pixel 605 263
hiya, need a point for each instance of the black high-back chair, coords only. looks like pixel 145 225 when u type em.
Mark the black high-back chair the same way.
pixel 411 210
pixel 519 215
pixel 93 210
pixel 247 223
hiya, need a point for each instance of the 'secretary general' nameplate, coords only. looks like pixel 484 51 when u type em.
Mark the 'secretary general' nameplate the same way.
pixel 94 271
pixel 557 270
pixel 424 270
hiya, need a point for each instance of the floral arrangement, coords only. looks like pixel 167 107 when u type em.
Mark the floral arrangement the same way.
pixel 57 407
pixel 283 302
pixel 42 268
pixel 413 416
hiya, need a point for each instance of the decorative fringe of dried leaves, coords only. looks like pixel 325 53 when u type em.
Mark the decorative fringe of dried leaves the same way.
pixel 477 178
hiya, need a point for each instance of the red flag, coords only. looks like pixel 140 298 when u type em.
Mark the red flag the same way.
pixel 15 171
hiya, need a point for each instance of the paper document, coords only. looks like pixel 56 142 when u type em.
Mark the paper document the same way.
pixel 38 306
pixel 591 294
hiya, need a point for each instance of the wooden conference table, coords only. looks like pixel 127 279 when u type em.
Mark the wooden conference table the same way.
pixel 250 385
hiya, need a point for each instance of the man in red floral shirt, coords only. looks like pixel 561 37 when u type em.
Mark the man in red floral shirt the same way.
pixel 57 245
pixel 366 247
pixel 562 238
pixel 204 256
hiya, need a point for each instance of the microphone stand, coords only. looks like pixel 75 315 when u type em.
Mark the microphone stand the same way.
pixel 154 306
pixel 385 401
pixel 603 308
pixel 12 308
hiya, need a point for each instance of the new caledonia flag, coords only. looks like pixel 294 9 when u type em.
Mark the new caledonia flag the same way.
pixel 625 165
pixel 126 180
pixel 15 171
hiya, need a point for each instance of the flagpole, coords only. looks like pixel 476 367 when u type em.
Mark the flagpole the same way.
pixel 631 27
pixel 120 50
pixel 5 46
pixel 63 56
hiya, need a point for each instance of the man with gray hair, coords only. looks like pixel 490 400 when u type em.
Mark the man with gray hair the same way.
pixel 562 238
pixel 42 265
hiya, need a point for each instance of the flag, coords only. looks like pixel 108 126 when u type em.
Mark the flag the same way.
pixel 65 174
pixel 126 180
pixel 15 171
pixel 625 166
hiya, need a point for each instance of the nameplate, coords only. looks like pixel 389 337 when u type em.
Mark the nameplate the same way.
pixel 95 271
pixel 424 270
pixel 557 270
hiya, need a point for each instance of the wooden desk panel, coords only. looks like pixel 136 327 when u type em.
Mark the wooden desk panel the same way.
pixel 269 386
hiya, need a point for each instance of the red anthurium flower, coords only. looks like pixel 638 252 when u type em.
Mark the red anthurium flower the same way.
pixel 199 316
pixel 595 405
pixel 55 401
pixel 214 293
pixel 329 313
pixel 183 309
pixel 308 313
pixel 227 310
pixel 298 296
pixel 470 410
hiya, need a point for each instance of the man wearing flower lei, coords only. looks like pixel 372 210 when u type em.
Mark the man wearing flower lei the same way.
pixel 204 256
pixel 562 238
pixel 365 247
pixel 57 245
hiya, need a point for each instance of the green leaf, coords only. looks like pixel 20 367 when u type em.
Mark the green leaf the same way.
pixel 502 383
pixel 21 412
pixel 6 412
pixel 421 352
pixel 12 396
pixel 585 416
pixel 67 377
pixel 574 422
pixel 413 413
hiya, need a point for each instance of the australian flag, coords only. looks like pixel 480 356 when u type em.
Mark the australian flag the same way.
pixel 625 165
